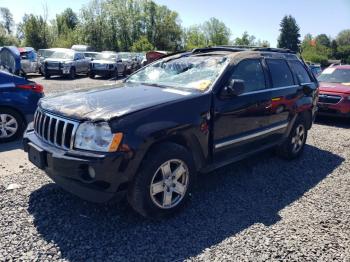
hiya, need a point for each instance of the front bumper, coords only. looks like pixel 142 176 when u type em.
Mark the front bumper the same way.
pixel 58 71
pixel 69 169
pixel 101 72
pixel 341 109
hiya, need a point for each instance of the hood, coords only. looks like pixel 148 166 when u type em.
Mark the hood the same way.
pixel 10 59
pixel 335 87
pixel 104 103
pixel 58 60
pixel 102 62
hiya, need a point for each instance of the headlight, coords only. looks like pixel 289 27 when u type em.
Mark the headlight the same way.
pixel 97 137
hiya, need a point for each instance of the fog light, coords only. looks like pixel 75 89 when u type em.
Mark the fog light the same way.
pixel 92 172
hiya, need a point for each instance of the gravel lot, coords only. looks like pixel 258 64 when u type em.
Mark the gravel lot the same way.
pixel 259 209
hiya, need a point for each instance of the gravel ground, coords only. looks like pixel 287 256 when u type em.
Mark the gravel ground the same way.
pixel 260 209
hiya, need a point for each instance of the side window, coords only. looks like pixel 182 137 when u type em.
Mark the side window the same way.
pixel 280 72
pixel 251 71
pixel 300 72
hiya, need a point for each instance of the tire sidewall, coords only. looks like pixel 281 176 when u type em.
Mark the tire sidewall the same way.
pixel 144 177
pixel 20 123
pixel 299 121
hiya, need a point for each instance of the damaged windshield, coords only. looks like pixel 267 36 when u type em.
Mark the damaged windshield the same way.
pixel 191 72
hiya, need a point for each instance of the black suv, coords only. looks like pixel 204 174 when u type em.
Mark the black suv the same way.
pixel 150 135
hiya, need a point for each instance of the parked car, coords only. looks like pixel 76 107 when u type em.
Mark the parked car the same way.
pixel 43 54
pixel 107 64
pixel 193 112
pixel 82 48
pixel 152 56
pixel 315 69
pixel 128 61
pixel 29 60
pixel 66 62
pixel 18 97
pixel 334 97
pixel 91 55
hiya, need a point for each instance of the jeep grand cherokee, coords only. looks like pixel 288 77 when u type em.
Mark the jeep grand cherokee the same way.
pixel 185 114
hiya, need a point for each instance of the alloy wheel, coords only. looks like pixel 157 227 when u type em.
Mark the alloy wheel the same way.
pixel 8 125
pixel 169 184
pixel 298 139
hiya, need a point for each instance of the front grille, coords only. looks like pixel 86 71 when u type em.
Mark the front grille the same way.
pixel 329 99
pixel 54 64
pixel 55 130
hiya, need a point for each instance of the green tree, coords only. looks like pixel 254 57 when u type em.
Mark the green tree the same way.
pixel 6 19
pixel 343 38
pixel 67 20
pixel 142 45
pixel 290 34
pixel 194 37
pixel 216 32
pixel 245 40
pixel 35 29
pixel 324 40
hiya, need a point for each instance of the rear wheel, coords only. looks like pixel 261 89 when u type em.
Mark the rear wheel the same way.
pixel 91 75
pixel 293 147
pixel 164 181
pixel 11 125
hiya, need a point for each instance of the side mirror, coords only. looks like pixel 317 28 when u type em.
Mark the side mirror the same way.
pixel 308 89
pixel 234 88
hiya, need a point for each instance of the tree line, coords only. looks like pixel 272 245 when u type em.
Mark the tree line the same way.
pixel 143 25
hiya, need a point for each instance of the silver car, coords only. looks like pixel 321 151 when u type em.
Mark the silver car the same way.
pixel 107 64
pixel 66 62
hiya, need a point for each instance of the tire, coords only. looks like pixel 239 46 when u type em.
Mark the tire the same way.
pixel 71 73
pixel 91 75
pixel 294 145
pixel 15 125
pixel 47 75
pixel 165 199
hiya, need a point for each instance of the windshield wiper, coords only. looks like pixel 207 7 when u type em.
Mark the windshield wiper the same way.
pixel 153 84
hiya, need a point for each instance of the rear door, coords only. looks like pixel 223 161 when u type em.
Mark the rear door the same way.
pixel 284 92
pixel 241 122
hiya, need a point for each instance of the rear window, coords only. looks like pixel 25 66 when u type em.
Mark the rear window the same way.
pixel 300 71
pixel 280 73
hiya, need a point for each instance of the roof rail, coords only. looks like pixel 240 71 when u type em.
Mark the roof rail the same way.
pixel 237 48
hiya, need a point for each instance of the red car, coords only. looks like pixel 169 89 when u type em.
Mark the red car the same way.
pixel 334 97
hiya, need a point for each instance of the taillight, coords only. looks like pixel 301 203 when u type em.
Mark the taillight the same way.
pixel 33 87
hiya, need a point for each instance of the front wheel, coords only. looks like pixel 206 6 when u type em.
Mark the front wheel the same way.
pixel 294 145
pixel 72 73
pixel 164 181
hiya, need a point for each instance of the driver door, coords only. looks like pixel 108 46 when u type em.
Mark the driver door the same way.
pixel 240 121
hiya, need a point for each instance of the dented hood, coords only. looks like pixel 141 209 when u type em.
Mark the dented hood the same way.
pixel 104 103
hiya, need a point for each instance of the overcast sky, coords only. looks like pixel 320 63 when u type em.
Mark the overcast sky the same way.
pixel 260 18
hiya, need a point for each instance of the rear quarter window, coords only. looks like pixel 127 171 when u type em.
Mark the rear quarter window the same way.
pixel 300 71
pixel 280 73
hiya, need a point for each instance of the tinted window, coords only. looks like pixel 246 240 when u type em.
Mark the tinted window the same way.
pixel 280 72
pixel 252 73
pixel 300 71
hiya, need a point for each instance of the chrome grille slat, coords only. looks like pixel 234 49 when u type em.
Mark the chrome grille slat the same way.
pixel 55 130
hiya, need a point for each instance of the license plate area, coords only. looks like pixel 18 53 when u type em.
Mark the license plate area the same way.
pixel 37 156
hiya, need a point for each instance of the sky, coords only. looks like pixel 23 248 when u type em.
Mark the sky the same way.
pixel 260 18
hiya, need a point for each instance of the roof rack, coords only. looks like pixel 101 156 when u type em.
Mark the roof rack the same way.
pixel 238 48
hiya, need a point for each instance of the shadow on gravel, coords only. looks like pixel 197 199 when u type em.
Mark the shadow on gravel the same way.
pixel 11 145
pixel 226 202
pixel 333 121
